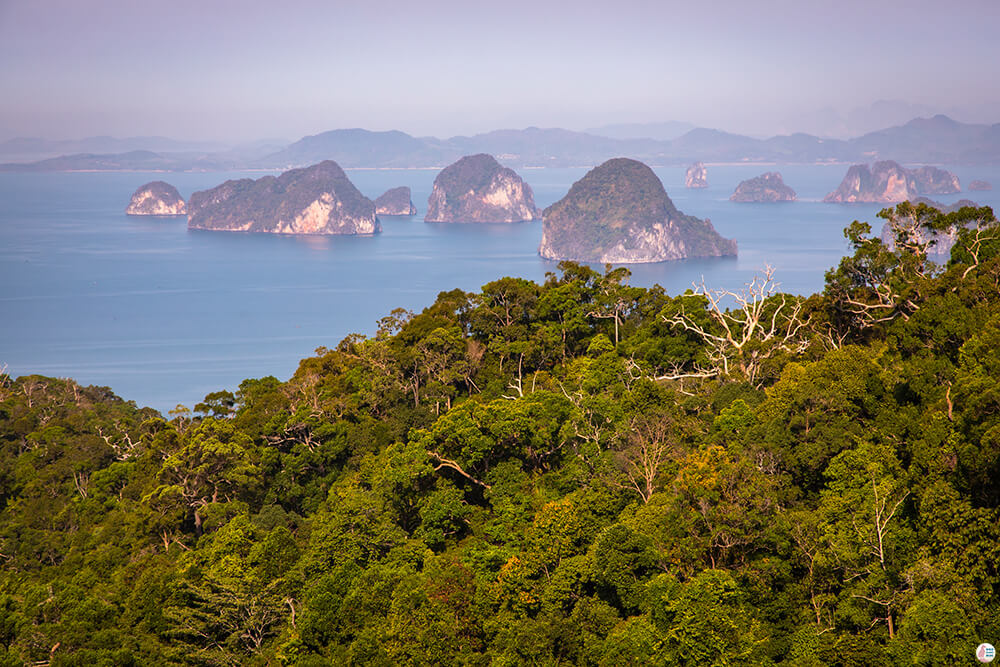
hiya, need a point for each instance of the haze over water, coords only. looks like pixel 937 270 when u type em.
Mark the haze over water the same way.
pixel 164 316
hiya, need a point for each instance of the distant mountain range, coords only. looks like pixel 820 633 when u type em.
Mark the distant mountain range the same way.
pixel 667 131
pixel 34 148
pixel 935 140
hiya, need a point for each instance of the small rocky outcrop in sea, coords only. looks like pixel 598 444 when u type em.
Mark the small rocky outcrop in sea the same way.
pixel 156 198
pixel 980 186
pixel 696 176
pixel 767 187
pixel 887 182
pixel 395 202
pixel 934 181
pixel 478 189
pixel 315 200
pixel 620 213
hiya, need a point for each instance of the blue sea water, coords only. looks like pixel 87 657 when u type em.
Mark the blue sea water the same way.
pixel 164 315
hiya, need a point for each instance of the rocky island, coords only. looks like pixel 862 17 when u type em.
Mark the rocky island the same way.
pixel 314 200
pixel 980 186
pixel 934 181
pixel 696 176
pixel 767 187
pixel 887 182
pixel 396 201
pixel 156 198
pixel 620 213
pixel 478 189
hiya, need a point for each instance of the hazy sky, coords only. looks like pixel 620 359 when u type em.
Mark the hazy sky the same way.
pixel 242 70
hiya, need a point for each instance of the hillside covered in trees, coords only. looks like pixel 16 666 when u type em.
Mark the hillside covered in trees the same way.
pixel 575 473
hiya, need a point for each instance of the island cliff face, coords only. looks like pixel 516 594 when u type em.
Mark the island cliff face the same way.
pixel 619 213
pixel 156 198
pixel 696 176
pixel 315 200
pixel 478 189
pixel 934 181
pixel 888 183
pixel 980 186
pixel 395 202
pixel 767 187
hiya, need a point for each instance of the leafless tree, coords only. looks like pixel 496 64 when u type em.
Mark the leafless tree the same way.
pixel 762 323
pixel 873 537
pixel 648 446
pixel 120 442
pixel 5 383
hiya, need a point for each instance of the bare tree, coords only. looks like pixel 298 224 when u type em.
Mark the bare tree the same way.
pixel 32 387
pixel 5 383
pixel 874 537
pixel 762 323
pixel 649 445
pixel 590 419
pixel 120 442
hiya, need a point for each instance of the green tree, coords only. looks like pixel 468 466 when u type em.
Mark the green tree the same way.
pixel 213 464
pixel 705 621
pixel 865 523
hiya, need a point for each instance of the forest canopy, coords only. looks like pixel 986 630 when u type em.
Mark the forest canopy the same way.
pixel 579 472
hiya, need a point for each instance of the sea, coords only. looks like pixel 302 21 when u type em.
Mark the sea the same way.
pixel 164 315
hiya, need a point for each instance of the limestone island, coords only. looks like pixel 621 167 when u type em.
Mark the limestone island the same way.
pixel 396 201
pixel 478 189
pixel 696 176
pixel 980 186
pixel 619 213
pixel 887 182
pixel 314 200
pixel 156 198
pixel 764 188
pixel 934 181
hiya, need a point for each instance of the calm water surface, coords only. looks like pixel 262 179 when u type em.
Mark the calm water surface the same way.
pixel 164 316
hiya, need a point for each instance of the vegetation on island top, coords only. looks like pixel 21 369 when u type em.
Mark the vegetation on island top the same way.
pixel 472 172
pixel 579 472
pixel 612 204
pixel 315 199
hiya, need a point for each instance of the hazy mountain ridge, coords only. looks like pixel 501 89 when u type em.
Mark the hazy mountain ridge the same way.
pixel 666 131
pixel 36 148
pixel 935 139
pixel 140 160
pixel 938 139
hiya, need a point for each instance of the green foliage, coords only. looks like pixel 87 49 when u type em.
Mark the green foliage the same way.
pixel 705 621
pixel 539 474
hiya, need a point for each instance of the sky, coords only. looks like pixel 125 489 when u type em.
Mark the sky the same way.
pixel 236 71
